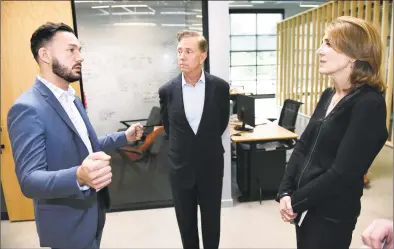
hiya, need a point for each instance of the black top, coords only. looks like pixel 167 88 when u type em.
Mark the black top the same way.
pixel 326 169
pixel 195 157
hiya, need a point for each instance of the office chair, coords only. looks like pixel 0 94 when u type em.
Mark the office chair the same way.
pixel 142 157
pixel 153 119
pixel 288 115
pixel 141 154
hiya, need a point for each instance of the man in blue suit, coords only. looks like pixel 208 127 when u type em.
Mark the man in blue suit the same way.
pixel 59 160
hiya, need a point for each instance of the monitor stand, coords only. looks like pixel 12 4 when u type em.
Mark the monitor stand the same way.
pixel 242 127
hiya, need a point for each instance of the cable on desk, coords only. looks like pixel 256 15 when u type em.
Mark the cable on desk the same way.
pixel 236 134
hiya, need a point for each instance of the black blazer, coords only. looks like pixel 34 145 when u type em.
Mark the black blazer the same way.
pixel 325 171
pixel 193 156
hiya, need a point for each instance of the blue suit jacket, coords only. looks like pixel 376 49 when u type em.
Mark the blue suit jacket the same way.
pixel 47 151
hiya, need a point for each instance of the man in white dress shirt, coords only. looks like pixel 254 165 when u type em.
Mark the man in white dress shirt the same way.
pixel 60 162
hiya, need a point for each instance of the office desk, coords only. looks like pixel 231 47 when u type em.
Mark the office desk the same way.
pixel 260 170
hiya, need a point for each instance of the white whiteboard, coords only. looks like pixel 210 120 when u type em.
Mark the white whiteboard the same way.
pixel 123 71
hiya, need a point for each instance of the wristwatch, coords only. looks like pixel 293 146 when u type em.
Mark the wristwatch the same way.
pixel 281 195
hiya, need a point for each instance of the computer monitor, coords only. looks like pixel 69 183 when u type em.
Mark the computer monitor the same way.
pixel 245 112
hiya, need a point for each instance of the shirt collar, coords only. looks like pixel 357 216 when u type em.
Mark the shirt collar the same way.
pixel 201 80
pixel 57 91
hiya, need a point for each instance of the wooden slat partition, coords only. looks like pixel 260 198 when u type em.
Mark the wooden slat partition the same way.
pixel 340 8
pixel 368 11
pixel 360 9
pixel 317 43
pixel 390 78
pixel 308 45
pixel 347 8
pixel 353 11
pixel 297 57
pixel 290 31
pixel 302 65
pixel 376 14
pixel 300 36
pixel 278 62
pixel 292 56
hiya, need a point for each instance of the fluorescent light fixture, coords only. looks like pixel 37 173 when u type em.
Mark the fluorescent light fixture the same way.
pixel 197 24
pixel 309 5
pixel 132 13
pixel 199 16
pixel 103 12
pixel 177 13
pixel 174 25
pixel 130 6
pixel 196 28
pixel 100 7
pixel 145 24
pixel 196 10
pixel 125 7
pixel 83 1
pixel 242 5
pixel 257 1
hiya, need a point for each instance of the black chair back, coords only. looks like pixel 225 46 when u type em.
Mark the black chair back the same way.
pixel 154 119
pixel 289 113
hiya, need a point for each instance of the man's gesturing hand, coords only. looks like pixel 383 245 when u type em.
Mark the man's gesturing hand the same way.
pixel 95 171
pixel 134 132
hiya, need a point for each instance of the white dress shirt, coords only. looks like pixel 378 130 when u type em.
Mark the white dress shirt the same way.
pixel 66 99
pixel 193 101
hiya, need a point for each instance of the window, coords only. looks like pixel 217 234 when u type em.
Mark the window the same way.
pixel 123 43
pixel 130 52
pixel 253 50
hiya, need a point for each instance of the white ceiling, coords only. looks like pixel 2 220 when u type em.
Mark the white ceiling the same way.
pixel 274 4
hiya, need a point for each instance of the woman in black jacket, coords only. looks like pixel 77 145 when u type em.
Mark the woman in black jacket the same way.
pixel 323 182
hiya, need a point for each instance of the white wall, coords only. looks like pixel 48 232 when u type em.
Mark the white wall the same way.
pixel 219 62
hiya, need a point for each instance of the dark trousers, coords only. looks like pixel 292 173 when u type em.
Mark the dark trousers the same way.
pixel 322 232
pixel 209 196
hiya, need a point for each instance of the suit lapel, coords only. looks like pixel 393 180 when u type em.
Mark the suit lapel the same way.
pixel 209 94
pixel 89 127
pixel 51 99
pixel 178 97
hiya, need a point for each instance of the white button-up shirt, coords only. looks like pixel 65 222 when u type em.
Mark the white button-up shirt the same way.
pixel 193 101
pixel 66 99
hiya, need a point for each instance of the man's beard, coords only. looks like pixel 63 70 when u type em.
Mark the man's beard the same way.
pixel 63 72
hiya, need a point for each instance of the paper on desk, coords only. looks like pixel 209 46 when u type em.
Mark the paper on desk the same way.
pixel 234 119
pixel 269 146
pixel 302 218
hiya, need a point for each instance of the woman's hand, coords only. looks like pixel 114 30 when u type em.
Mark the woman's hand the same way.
pixel 286 210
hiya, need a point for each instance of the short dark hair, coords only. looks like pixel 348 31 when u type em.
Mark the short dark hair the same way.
pixel 44 34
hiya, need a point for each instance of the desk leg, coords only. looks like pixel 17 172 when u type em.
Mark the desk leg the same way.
pixel 255 163
pixel 242 172
pixel 246 171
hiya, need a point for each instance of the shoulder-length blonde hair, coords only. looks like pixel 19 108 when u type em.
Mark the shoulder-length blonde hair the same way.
pixel 359 40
